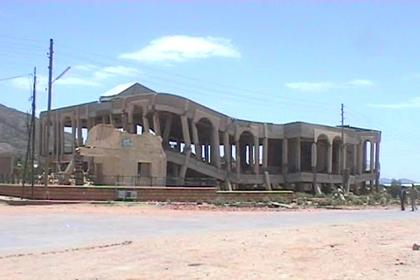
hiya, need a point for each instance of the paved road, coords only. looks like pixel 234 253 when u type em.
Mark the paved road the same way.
pixel 40 231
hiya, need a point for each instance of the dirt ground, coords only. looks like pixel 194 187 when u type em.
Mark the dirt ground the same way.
pixel 380 249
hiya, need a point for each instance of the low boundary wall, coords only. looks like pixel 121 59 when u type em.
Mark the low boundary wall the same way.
pixel 110 193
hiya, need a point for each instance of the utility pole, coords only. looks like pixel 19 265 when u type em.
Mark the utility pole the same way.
pixel 30 148
pixel 342 123
pixel 33 121
pixel 47 159
pixel 342 139
pixel 344 172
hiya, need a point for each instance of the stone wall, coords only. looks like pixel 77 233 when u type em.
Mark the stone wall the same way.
pixel 175 194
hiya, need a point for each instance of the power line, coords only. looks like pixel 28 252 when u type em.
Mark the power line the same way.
pixel 14 38
pixel 188 82
pixel 14 77
pixel 180 81
pixel 87 56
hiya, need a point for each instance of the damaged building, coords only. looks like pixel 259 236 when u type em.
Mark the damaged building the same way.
pixel 142 137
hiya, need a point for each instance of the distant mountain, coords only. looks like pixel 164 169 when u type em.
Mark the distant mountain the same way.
pixel 406 181
pixel 387 181
pixel 14 128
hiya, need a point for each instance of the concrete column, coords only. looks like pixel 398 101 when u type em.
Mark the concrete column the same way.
pixel 343 159
pixel 55 136
pixel 265 152
pixel 167 131
pixel 90 122
pixel 184 166
pixel 251 155
pixel 238 157
pixel 257 155
pixel 314 154
pixel 372 157
pixel 355 169
pixel 284 158
pixel 146 126
pixel 364 147
pixel 52 136
pixel 127 120
pixel 196 141
pixel 104 119
pixel 377 165
pixel 377 150
pixel 267 181
pixel 133 128
pixel 111 119
pixel 131 125
pixel 186 132
pixel 187 142
pixel 178 146
pixel 206 152
pixel 242 150
pixel 360 158
pixel 156 123
pixel 59 139
pixel 73 134
pixel 298 154
pixel 47 134
pixel 51 133
pixel 41 138
pixel 215 147
pixel 62 144
pixel 329 158
pixel 227 150
pixel 79 131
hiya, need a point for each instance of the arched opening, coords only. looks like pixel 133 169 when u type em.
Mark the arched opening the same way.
pixel 306 155
pixel 351 158
pixel 226 150
pixel 368 155
pixel 275 155
pixel 336 155
pixel 247 152
pixel 69 135
pixel 322 146
pixel 205 137
pixel 170 129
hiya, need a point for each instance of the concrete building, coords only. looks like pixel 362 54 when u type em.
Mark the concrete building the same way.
pixel 121 158
pixel 202 145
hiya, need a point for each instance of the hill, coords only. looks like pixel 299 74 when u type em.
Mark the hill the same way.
pixel 387 181
pixel 14 128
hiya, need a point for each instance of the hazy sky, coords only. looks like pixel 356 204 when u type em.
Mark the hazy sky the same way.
pixel 272 61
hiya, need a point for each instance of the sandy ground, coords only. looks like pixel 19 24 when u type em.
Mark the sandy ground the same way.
pixel 362 249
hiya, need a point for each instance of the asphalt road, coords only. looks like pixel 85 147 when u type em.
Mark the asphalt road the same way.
pixel 43 230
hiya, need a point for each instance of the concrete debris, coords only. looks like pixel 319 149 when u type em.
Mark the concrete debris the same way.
pixel 280 205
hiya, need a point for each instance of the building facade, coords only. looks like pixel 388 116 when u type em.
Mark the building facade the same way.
pixel 116 157
pixel 201 143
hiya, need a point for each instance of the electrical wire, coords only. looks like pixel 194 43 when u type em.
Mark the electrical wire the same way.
pixel 14 77
pixel 187 84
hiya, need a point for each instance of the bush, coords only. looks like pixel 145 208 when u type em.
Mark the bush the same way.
pixel 394 189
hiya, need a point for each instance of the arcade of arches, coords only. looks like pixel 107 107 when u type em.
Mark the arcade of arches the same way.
pixel 201 143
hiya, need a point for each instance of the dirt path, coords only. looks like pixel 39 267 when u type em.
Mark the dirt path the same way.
pixel 377 247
